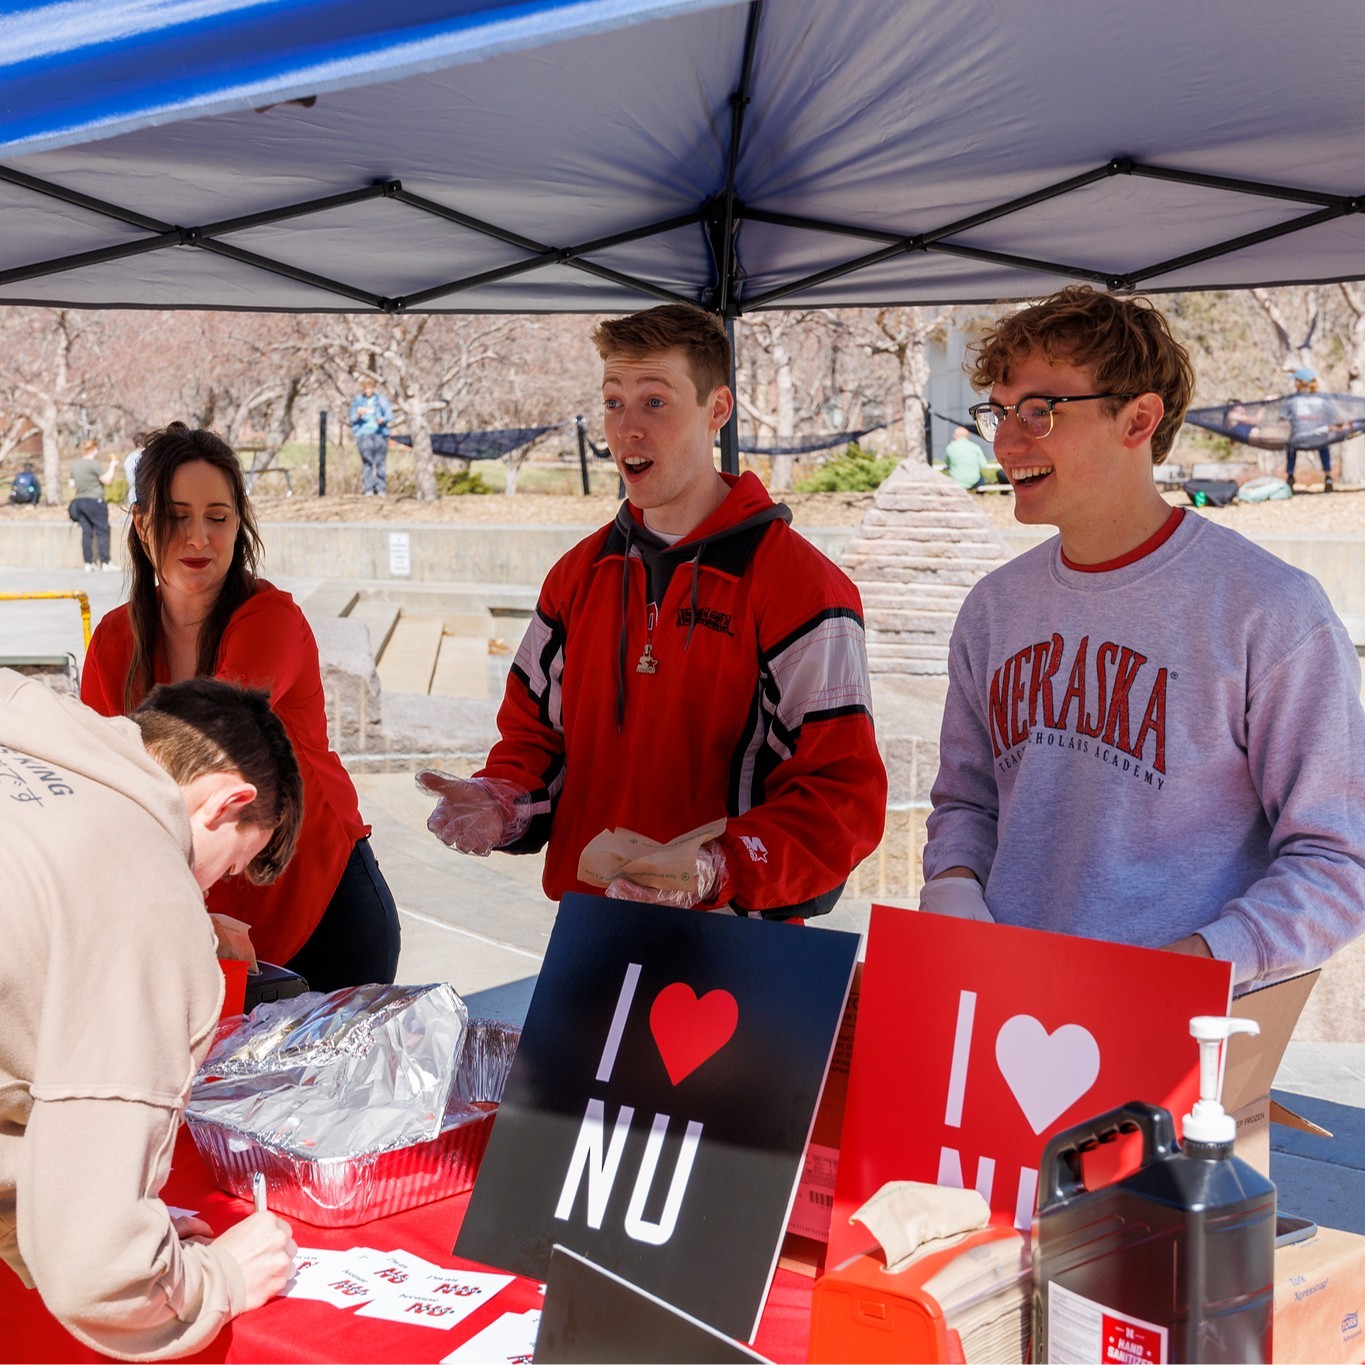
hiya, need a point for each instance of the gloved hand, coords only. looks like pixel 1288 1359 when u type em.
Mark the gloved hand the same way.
pixel 711 883
pixel 958 897
pixel 475 814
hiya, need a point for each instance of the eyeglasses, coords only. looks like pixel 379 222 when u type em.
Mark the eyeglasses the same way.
pixel 1034 412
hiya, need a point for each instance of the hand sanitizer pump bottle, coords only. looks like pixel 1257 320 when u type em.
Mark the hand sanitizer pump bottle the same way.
pixel 1174 1262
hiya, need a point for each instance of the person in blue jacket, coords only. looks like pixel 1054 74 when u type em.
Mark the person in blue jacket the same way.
pixel 370 418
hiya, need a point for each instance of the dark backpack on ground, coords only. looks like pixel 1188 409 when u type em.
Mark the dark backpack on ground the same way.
pixel 1210 492
pixel 25 487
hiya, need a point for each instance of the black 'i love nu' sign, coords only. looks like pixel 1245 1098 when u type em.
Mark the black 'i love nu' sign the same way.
pixel 660 1102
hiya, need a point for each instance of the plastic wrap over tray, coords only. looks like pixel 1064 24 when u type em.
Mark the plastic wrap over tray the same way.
pixel 345 1190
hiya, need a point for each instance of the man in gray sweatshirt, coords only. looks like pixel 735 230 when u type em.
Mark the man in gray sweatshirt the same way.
pixel 110 995
pixel 1153 731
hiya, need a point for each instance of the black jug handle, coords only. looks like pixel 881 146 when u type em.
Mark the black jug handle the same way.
pixel 1061 1176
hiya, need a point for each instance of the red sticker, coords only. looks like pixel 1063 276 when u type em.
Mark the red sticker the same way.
pixel 1124 1340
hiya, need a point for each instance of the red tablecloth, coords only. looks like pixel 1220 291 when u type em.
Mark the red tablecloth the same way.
pixel 300 1330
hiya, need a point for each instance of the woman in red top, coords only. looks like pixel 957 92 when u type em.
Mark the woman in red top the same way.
pixel 197 609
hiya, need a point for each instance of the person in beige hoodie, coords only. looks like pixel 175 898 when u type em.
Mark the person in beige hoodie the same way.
pixel 110 994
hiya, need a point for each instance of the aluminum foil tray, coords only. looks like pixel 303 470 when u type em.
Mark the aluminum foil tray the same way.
pixel 338 1192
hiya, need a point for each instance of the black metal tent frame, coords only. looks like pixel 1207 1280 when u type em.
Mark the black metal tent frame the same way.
pixel 719 218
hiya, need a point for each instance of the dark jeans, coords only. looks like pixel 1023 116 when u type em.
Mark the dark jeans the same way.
pixel 356 941
pixel 1292 458
pixel 92 515
pixel 374 454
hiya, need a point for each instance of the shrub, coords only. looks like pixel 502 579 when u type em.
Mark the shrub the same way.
pixel 855 471
pixel 457 483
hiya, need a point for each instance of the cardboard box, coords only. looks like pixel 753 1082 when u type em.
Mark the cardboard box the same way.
pixel 1320 1299
pixel 1252 1062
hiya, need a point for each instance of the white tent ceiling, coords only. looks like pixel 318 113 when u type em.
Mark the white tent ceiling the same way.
pixel 601 155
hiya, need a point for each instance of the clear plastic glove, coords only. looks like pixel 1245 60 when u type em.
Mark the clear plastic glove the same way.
pixel 475 814
pixel 957 897
pixel 712 883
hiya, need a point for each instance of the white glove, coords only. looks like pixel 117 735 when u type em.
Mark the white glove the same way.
pixel 958 897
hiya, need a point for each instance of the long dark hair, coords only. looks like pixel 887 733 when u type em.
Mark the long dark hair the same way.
pixel 163 452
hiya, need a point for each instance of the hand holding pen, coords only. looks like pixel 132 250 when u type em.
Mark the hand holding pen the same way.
pixel 263 1245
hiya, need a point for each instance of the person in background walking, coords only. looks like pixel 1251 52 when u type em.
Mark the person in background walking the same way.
pixel 88 508
pixel 370 418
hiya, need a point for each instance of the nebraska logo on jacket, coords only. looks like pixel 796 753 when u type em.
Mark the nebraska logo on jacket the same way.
pixel 1110 695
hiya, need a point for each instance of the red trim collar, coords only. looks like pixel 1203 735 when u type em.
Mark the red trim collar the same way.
pixel 1152 543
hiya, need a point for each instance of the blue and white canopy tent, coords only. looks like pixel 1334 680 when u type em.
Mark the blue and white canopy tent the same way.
pixel 600 155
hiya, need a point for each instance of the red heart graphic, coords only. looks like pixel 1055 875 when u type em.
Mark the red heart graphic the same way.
pixel 687 1030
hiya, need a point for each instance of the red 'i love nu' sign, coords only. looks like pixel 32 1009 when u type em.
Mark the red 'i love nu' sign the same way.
pixel 658 1109
pixel 977 1042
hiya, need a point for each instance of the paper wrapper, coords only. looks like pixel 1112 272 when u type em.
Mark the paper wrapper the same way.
pixel 666 867
pixel 341 1191
pixel 234 941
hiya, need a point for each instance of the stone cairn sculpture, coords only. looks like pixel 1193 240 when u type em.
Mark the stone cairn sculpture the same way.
pixel 921 546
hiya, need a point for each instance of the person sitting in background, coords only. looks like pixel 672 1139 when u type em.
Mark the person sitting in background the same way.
pixel 964 461
pixel 110 994
pixel 88 509
pixel 26 488
pixel 197 608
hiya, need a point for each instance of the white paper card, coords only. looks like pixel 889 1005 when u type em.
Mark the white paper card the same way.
pixel 440 1298
pixel 511 1338
pixel 317 1275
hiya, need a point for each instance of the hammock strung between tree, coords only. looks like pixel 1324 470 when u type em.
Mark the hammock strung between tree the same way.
pixel 818 443
pixel 481 445
pixel 838 438
pixel 1301 421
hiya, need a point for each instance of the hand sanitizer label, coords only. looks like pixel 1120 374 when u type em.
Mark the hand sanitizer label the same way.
pixel 1080 1329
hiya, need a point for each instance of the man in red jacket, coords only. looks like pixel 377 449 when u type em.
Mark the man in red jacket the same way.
pixel 695 664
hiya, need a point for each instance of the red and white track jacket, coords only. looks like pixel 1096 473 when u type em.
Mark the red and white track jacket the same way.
pixel 758 710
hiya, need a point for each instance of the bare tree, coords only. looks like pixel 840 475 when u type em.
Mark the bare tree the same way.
pixel 1353 451
pixel 1294 316
pixel 905 334
pixel 423 361
pixel 39 382
pixel 794 346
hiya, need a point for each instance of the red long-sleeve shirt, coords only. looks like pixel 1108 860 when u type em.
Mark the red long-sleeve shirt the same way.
pixel 267 644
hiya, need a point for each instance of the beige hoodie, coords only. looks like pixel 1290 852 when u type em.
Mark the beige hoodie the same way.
pixel 109 994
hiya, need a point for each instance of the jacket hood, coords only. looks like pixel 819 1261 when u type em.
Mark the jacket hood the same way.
pixel 62 734
pixel 746 507
pixel 727 540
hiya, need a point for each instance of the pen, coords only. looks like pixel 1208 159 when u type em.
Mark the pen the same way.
pixel 258 1190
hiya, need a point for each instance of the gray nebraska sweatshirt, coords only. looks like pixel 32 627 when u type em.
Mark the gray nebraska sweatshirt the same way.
pixel 1170 747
